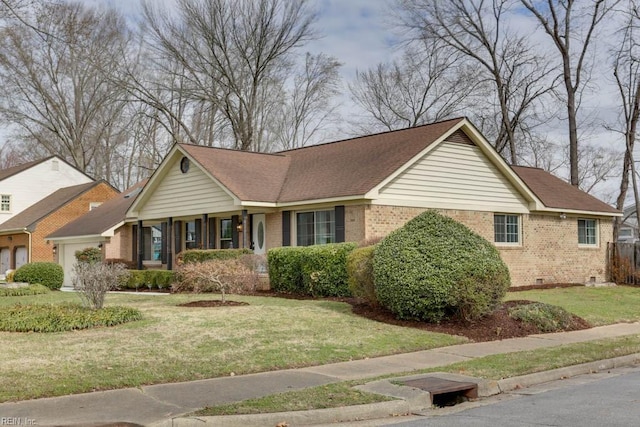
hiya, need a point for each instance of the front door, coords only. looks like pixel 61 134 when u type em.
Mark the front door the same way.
pixel 259 234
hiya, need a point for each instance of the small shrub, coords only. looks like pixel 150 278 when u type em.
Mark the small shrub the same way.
pixel 360 272
pixel 136 279
pixel 90 255
pixel 62 317
pixel 94 280
pixel 285 269
pixel 224 276
pixel 48 274
pixel 434 267
pixel 162 279
pixel 545 317
pixel 9 277
pixel 201 255
pixel 21 291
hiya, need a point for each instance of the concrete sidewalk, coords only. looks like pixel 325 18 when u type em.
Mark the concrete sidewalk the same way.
pixel 162 404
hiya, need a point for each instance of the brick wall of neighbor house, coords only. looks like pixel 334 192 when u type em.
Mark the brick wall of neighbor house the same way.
pixel 17 240
pixel 40 250
pixel 120 246
pixel 549 249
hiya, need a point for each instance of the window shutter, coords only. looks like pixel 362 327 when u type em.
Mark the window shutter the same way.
pixel 198 230
pixel 140 238
pixel 134 246
pixel 340 234
pixel 212 233
pixel 163 242
pixel 177 233
pixel 286 228
pixel 234 231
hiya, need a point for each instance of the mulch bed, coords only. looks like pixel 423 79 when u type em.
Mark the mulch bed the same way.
pixel 213 303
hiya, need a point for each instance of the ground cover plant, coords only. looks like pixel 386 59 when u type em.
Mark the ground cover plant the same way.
pixel 20 291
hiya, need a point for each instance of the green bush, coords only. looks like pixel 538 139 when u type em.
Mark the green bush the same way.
pixel 545 317
pixel 360 273
pixel 159 279
pixel 90 255
pixel 201 255
pixel 435 267
pixel 62 317
pixel 162 279
pixel 319 270
pixel 48 274
pixel 21 291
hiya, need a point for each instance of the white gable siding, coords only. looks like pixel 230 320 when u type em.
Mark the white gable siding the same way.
pixel 453 176
pixel 191 193
pixel 37 182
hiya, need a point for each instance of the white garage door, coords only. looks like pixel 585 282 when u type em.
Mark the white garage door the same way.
pixel 67 259
pixel 5 260
pixel 21 256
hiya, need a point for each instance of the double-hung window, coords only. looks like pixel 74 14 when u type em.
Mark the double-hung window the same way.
pixel 506 228
pixel 315 228
pixel 226 234
pixel 5 203
pixel 587 232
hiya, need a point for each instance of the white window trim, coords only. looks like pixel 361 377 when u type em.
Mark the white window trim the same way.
pixel 508 244
pixel 597 231
pixel 10 203
pixel 294 225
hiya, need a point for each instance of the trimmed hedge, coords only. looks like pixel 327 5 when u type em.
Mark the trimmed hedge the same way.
pixel 48 274
pixel 152 279
pixel 360 273
pixel 201 255
pixel 318 271
pixel 435 267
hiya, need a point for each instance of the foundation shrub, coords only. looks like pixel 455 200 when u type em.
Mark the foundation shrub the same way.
pixel 201 255
pixel 318 271
pixel 90 255
pixel 152 279
pixel 434 267
pixel 224 276
pixel 360 274
pixel 48 274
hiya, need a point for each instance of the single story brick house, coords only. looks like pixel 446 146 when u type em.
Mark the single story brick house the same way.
pixel 24 237
pixel 104 227
pixel 358 189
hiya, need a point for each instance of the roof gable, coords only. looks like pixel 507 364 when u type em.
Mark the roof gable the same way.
pixel 29 217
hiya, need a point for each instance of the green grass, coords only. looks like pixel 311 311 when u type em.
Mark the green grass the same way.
pixel 174 343
pixel 493 367
pixel 598 306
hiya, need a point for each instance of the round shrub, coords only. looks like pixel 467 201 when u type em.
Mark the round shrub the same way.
pixel 434 267
pixel 360 273
pixel 90 255
pixel 48 274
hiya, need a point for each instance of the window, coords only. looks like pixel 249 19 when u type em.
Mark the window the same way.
pixel 190 235
pixel 506 228
pixel 315 228
pixel 587 232
pixel 226 234
pixel 5 203
pixel 151 250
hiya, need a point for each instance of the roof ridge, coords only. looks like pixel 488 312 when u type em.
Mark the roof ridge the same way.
pixel 276 154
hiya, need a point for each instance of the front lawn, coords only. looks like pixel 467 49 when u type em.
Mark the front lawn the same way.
pixel 182 343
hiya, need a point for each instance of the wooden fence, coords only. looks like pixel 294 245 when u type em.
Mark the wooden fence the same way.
pixel 624 263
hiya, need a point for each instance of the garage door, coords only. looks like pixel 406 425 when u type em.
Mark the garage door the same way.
pixel 5 260
pixel 67 260
pixel 21 256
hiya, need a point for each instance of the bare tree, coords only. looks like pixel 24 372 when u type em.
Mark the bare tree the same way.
pixel 56 86
pixel 234 55
pixel 426 85
pixel 477 29
pixel 626 72
pixel 568 22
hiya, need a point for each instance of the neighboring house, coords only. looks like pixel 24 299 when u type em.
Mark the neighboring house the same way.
pixel 628 231
pixel 23 237
pixel 362 188
pixel 104 227
pixel 23 185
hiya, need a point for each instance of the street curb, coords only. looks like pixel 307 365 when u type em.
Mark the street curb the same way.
pixel 414 404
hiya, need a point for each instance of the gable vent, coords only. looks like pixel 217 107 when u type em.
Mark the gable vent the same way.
pixel 459 137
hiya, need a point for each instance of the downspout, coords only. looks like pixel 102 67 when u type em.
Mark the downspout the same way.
pixel 30 245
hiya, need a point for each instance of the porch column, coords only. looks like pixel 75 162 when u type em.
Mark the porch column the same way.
pixel 140 239
pixel 170 243
pixel 245 229
pixel 205 231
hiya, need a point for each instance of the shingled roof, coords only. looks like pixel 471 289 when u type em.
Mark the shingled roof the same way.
pixel 8 172
pixel 104 217
pixel 29 218
pixel 556 193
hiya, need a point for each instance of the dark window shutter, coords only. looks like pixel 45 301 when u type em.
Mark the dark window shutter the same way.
pixel 212 233
pixel 134 247
pixel 339 213
pixel 163 242
pixel 198 230
pixel 140 238
pixel 235 238
pixel 286 228
pixel 177 233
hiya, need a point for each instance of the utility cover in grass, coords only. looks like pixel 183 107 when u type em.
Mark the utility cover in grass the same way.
pixel 434 267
